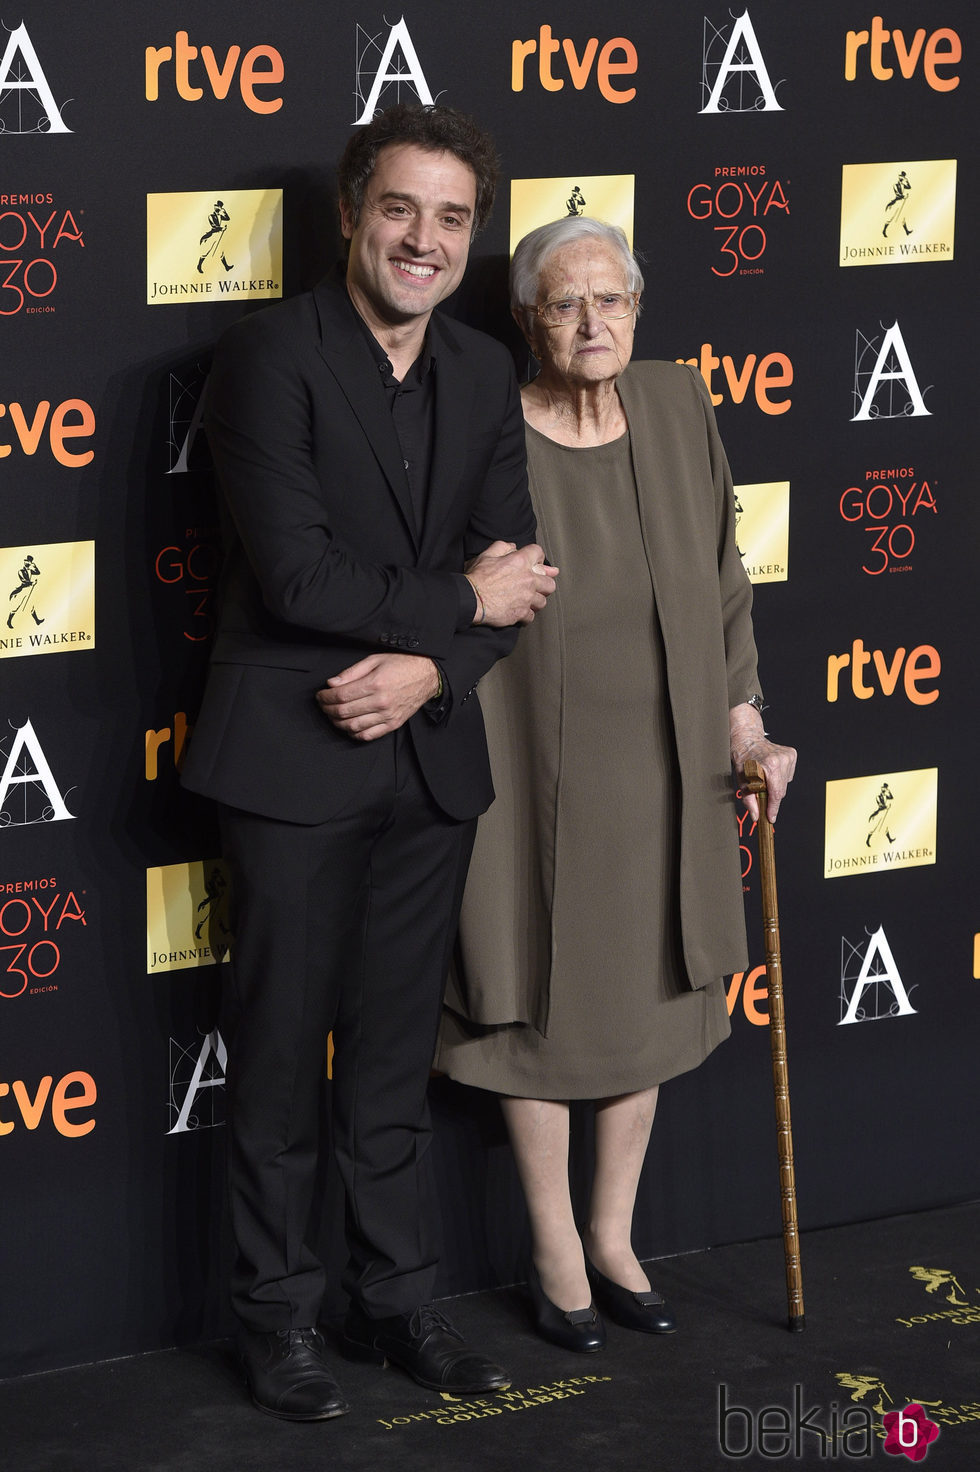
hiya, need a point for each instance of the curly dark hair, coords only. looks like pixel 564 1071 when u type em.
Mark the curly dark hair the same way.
pixel 440 129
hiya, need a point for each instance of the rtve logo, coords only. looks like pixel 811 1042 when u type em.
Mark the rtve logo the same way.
pixel 941 49
pixel 774 371
pixel 72 419
pixel 262 66
pixel 72 1092
pixel 915 667
pixel 616 58
pixel 754 986
pixel 178 734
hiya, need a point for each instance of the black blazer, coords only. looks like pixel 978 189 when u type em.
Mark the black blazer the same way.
pixel 324 562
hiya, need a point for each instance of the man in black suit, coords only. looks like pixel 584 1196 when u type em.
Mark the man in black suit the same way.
pixel 367 452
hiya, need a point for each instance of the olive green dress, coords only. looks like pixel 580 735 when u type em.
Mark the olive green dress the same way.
pixel 622 1014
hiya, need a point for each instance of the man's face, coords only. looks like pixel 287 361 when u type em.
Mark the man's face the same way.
pixel 409 247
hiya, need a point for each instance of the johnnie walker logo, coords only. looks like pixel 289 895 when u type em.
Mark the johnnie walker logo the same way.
pixel 535 202
pixel 187 921
pixel 897 214
pixel 48 596
pixel 762 530
pixel 213 247
pixel 879 823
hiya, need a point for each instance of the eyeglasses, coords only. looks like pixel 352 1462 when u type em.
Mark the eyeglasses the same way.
pixel 569 310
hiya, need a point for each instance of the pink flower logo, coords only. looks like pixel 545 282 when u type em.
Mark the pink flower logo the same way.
pixel 909 1433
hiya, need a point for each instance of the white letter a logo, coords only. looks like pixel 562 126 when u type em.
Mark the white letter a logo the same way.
pixel 743 56
pixel 878 970
pixel 892 367
pixel 210 1068
pixel 18 773
pixel 406 73
pixel 21 74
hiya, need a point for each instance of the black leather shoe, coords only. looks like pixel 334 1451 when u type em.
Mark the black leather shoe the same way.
pixel 647 1311
pixel 426 1346
pixel 288 1376
pixel 581 1329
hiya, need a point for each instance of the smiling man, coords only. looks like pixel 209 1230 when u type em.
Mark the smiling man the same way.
pixel 367 452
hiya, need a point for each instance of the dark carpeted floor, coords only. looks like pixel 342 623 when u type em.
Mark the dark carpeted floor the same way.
pixel 892 1317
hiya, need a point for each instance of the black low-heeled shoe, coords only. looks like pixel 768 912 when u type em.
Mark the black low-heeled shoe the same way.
pixel 646 1311
pixel 581 1329
pixel 426 1346
pixel 288 1375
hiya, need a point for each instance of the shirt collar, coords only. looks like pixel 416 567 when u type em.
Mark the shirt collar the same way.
pixel 415 376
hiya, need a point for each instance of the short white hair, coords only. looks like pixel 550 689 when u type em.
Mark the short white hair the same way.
pixel 533 251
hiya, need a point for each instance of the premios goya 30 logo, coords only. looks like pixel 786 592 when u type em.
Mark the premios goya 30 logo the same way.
pixel 40 925
pixel 48 598
pixel 890 507
pixel 897 214
pixel 607 197
pixel 880 822
pixel 762 530
pixel 214 247
pixel 190 570
pixel 740 204
pixel 39 237
pixel 187 919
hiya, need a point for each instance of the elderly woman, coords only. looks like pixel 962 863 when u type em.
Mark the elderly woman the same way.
pixel 604 900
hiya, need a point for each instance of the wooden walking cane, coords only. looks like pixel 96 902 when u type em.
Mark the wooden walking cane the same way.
pixel 756 782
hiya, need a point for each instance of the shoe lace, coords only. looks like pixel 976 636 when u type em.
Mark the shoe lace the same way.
pixel 308 1337
pixel 426 1318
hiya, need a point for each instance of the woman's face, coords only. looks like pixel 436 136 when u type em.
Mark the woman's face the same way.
pixel 597 348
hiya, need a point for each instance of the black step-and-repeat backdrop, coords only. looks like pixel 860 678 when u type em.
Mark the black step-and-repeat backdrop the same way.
pixel 801 183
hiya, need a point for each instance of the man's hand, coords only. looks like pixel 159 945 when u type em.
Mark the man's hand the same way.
pixel 378 694
pixel 511 583
pixel 748 739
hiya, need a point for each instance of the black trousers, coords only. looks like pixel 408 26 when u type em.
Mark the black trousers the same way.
pixel 345 925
